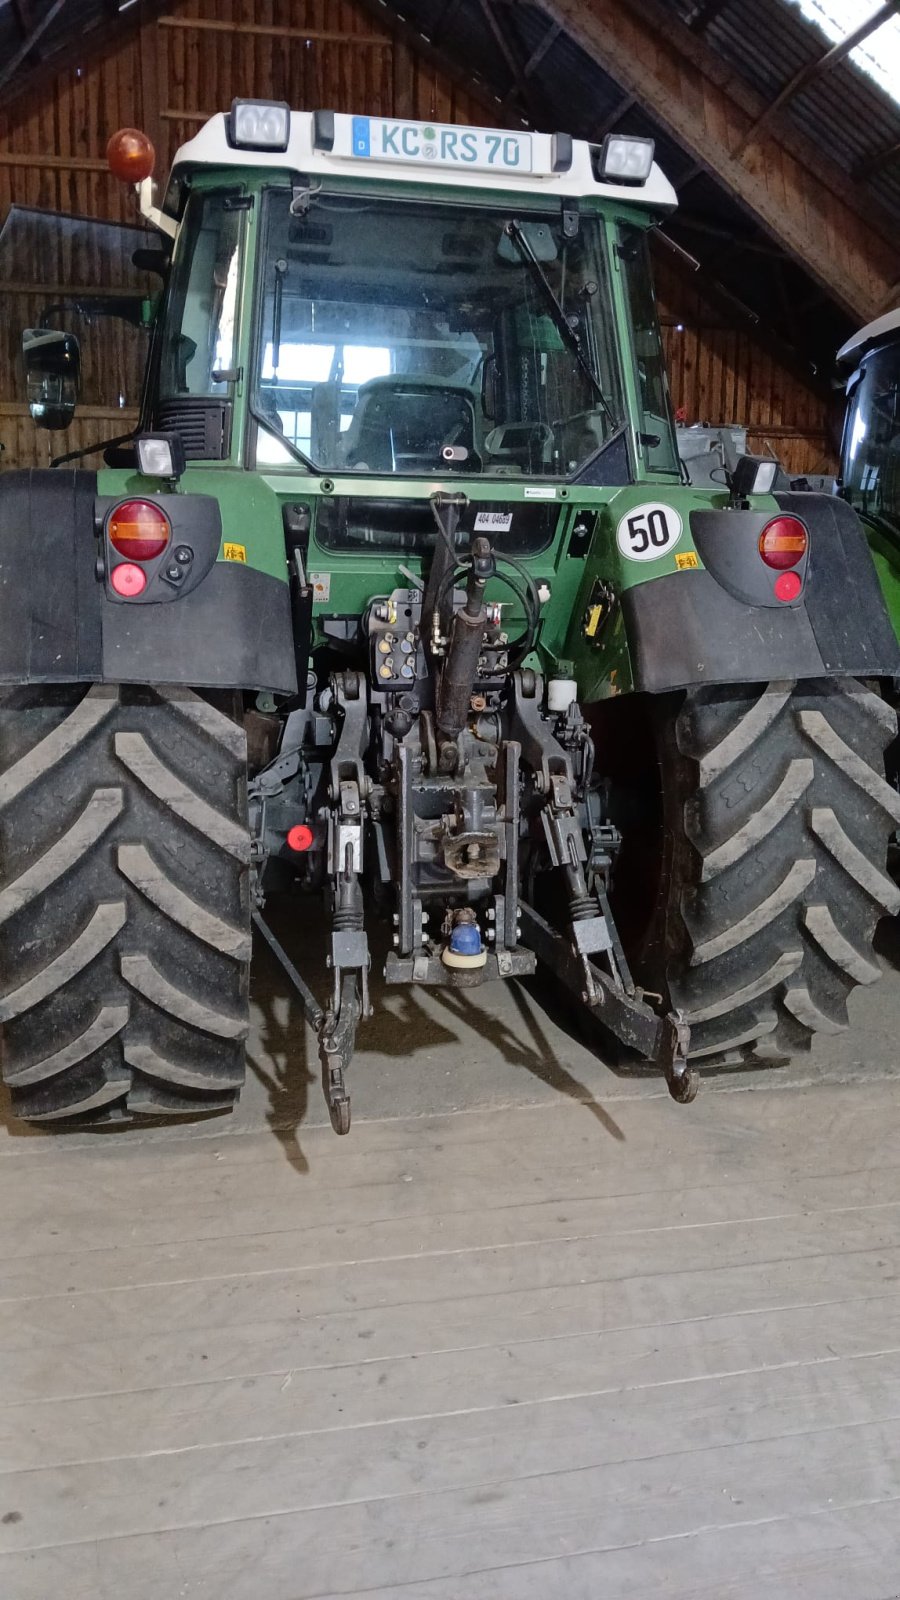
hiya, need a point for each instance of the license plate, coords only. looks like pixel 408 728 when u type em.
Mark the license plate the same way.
pixel 436 145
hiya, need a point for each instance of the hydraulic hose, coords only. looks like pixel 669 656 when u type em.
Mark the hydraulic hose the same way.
pixel 464 649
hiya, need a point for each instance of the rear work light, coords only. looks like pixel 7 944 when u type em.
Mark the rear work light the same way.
pixel 783 543
pixel 138 530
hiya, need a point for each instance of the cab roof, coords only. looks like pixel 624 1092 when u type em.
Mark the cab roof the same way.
pixel 873 333
pixel 336 144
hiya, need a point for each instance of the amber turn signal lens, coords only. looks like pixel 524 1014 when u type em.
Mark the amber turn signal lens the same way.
pixel 139 530
pixel 783 543
pixel 130 155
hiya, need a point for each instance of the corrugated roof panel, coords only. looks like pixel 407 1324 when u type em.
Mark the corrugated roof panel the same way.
pixel 764 41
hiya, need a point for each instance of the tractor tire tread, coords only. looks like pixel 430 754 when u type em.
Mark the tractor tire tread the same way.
pixel 779 815
pixel 124 903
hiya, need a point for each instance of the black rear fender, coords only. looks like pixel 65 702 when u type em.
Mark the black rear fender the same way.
pixel 226 627
pixel 723 624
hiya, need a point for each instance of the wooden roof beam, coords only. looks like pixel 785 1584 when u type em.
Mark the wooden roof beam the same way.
pixel 33 37
pixel 787 186
pixel 534 60
pixel 529 97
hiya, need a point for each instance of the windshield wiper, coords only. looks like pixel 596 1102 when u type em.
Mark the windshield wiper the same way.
pixel 572 337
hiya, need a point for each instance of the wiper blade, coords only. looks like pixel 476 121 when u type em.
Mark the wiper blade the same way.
pixel 572 337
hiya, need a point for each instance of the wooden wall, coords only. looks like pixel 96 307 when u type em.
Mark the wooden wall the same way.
pixel 168 74
pixel 720 374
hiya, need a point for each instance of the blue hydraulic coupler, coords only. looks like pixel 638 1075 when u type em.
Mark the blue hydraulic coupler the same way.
pixel 465 940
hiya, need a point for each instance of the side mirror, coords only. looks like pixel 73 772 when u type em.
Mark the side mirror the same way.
pixel 52 376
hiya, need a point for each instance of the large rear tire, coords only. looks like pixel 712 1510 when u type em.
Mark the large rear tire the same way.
pixel 124 903
pixel 776 819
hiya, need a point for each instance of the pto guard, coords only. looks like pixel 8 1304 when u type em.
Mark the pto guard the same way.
pixel 723 624
pixel 230 630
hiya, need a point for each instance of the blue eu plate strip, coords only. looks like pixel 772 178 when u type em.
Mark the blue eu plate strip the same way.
pixel 362 143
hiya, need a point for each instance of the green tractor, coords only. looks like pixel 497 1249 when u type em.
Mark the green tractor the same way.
pixel 400 598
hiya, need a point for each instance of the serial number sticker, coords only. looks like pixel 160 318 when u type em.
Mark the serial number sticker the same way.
pixel 321 585
pixel 686 559
pixel 493 522
pixel 649 531
pixel 234 552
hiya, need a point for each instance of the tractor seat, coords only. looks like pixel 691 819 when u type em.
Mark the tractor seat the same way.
pixel 402 424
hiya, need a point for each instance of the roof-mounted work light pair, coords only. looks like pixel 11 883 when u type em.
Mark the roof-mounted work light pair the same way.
pixel 266 125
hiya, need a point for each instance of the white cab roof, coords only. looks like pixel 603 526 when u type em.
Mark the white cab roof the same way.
pixel 870 334
pixel 415 164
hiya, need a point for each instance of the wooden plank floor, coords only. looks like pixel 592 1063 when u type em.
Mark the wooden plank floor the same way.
pixel 532 1332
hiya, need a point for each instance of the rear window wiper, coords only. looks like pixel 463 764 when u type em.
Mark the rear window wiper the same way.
pixel 572 337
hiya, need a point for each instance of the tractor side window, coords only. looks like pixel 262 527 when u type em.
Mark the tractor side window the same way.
pixel 870 466
pixel 199 339
pixel 655 433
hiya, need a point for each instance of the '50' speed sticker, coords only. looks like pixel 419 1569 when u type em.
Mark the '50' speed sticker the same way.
pixel 649 531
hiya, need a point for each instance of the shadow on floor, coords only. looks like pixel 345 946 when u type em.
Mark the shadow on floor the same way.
pixel 538 1057
pixel 283 1056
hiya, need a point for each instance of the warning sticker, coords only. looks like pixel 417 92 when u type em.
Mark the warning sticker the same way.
pixel 234 552
pixel 321 586
pixel 686 559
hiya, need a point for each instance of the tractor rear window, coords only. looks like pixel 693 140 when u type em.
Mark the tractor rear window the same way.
pixel 411 337
pixel 371 524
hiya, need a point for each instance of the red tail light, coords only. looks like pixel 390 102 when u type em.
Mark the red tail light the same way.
pixel 138 530
pixel 783 543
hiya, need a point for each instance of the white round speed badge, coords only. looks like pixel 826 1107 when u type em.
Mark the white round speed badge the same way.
pixel 649 531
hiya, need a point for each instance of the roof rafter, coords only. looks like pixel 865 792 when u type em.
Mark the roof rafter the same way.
pixel 537 55
pixel 33 37
pixel 704 107
pixel 529 98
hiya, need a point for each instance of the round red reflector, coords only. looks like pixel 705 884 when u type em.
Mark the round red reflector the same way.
pixel 127 580
pixel 783 542
pixel 788 586
pixel 139 530
pixel 300 837
pixel 130 155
